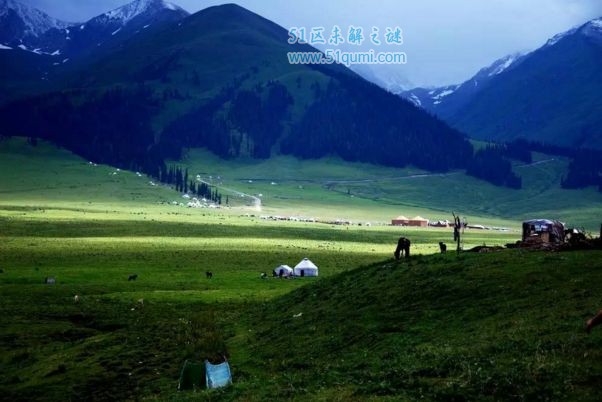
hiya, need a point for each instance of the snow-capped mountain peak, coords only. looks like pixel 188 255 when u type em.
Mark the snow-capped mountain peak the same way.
pixel 32 30
pixel 434 99
pixel 131 10
pixel 35 22
pixel 593 29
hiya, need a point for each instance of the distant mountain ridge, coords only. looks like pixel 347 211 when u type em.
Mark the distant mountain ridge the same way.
pixel 551 95
pixel 445 101
pixel 63 48
pixel 44 34
pixel 21 24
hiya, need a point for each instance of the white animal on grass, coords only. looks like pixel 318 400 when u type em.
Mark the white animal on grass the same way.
pixel 76 299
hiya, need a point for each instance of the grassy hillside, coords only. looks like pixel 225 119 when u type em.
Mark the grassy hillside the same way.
pixel 505 326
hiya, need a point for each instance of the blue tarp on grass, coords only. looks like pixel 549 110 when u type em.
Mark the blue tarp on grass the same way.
pixel 217 376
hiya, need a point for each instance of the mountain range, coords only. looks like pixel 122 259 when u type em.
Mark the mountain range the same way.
pixel 218 79
pixel 143 83
pixel 445 101
pixel 23 25
pixel 551 95
pixel 32 30
pixel 35 48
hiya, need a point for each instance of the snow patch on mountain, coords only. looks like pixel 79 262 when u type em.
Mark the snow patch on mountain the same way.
pixel 37 50
pixel 558 37
pixel 4 47
pixel 503 65
pixel 444 93
pixel 171 6
pixel 415 100
pixel 130 11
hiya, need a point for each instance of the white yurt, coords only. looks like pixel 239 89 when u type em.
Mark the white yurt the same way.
pixel 306 268
pixel 284 269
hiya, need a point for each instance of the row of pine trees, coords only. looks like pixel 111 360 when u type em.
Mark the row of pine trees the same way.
pixel 179 178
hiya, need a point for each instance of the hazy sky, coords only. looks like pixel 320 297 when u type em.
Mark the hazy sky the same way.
pixel 446 41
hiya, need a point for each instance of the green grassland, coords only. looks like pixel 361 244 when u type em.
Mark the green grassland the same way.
pixel 331 188
pixel 476 326
pixel 326 189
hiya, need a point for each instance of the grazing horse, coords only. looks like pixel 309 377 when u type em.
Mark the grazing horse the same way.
pixel 442 247
pixel 593 322
pixel 132 277
pixel 209 274
pixel 403 247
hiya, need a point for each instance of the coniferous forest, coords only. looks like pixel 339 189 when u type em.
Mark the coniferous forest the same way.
pixel 257 123
pixel 180 180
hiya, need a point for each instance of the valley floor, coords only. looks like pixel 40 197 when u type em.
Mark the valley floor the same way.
pixel 504 325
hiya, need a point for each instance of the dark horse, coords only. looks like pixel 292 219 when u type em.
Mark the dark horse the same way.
pixel 403 247
pixel 209 274
pixel 593 322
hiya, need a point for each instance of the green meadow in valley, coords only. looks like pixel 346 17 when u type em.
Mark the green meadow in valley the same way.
pixel 504 325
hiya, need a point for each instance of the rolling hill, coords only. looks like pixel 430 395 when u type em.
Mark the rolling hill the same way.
pixel 479 327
